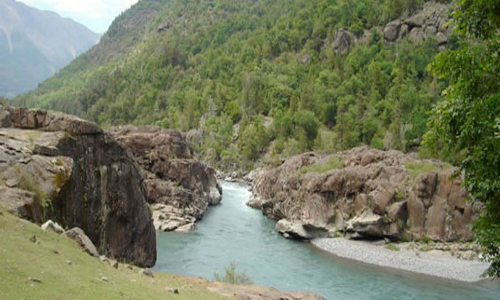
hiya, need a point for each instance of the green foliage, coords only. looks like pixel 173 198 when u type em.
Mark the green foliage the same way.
pixel 392 247
pixel 232 277
pixel 468 121
pixel 334 163
pixel 254 138
pixel 416 168
pixel 425 240
pixel 210 65
pixel 26 182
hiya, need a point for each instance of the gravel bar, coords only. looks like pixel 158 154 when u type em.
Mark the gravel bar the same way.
pixel 409 260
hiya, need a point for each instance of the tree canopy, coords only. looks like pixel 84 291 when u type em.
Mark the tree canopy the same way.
pixel 212 65
pixel 468 120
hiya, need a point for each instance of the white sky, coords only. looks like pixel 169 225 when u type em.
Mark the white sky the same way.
pixel 95 14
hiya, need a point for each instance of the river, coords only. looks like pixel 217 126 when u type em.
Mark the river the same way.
pixel 235 232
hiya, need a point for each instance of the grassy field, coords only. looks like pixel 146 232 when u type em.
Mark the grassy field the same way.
pixel 24 263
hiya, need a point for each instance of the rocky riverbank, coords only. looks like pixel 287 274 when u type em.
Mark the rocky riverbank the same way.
pixel 179 187
pixel 364 193
pixel 409 257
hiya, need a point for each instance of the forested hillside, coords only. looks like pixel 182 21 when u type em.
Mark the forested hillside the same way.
pixel 283 70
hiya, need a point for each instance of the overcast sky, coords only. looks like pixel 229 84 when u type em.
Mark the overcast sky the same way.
pixel 95 14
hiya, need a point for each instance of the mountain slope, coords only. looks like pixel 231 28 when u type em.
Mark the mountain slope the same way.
pixel 35 44
pixel 293 75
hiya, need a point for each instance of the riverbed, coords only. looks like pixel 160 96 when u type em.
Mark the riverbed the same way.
pixel 235 232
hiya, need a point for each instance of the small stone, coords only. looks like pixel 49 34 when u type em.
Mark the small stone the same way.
pixel 147 272
pixel 115 265
pixel 12 183
pixel 69 262
pixel 172 290
pixel 104 259
pixel 33 279
pixel 129 267
pixel 105 279
pixel 55 252
pixel 52 226
pixel 33 239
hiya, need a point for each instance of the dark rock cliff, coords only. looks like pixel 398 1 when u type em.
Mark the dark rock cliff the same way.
pixel 55 166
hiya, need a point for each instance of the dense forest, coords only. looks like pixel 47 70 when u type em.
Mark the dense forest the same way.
pixel 267 66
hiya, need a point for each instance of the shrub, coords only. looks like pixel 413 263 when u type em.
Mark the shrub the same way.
pixel 392 247
pixel 333 163
pixel 232 277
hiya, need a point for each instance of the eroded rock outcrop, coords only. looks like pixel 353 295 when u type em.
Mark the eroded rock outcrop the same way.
pixel 366 194
pixel 431 22
pixel 60 167
pixel 179 187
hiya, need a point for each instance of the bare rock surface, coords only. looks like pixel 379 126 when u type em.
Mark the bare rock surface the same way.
pixel 82 240
pixel 366 194
pixel 180 188
pixel 430 22
pixel 342 42
pixel 59 167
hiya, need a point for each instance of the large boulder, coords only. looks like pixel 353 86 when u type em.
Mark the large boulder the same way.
pixel 63 168
pixel 368 194
pixel 391 30
pixel 82 240
pixel 342 42
pixel 180 188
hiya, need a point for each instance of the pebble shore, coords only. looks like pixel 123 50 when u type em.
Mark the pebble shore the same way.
pixel 409 260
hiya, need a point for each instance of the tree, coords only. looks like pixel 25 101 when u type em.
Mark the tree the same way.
pixel 469 118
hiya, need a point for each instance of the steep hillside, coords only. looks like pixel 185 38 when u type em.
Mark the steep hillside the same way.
pixel 35 44
pixel 292 75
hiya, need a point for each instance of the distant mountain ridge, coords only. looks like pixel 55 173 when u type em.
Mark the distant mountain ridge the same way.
pixel 35 44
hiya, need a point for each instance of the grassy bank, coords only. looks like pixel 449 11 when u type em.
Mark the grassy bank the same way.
pixel 41 270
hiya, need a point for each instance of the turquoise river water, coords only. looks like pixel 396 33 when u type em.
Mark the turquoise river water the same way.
pixel 235 232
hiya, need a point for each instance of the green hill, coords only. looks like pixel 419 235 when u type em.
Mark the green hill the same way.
pixel 269 66
pixel 41 270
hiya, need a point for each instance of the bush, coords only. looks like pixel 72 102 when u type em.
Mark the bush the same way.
pixel 232 277
pixel 392 247
pixel 333 163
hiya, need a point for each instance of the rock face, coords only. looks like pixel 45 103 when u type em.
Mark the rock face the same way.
pixel 63 168
pixel 432 21
pixel 179 188
pixel 342 42
pixel 374 195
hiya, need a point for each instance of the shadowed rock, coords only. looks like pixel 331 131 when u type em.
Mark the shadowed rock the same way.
pixel 70 171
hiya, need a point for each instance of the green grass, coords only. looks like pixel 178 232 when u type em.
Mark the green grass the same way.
pixel 21 259
pixel 414 169
pixel 333 163
pixel 392 247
